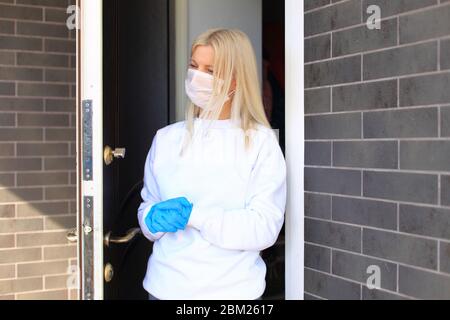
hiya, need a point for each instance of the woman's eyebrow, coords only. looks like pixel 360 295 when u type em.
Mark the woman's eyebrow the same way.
pixel 208 65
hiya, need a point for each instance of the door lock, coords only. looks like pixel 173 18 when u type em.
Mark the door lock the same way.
pixel 109 154
pixel 109 272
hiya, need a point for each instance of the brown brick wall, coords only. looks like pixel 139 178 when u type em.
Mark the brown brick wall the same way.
pixel 37 149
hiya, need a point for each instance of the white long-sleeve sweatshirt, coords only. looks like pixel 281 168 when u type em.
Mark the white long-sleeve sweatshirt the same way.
pixel 238 201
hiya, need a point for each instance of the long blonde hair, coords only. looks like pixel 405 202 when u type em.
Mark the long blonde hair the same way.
pixel 233 56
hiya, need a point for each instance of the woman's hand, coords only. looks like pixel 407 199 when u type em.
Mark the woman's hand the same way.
pixel 169 215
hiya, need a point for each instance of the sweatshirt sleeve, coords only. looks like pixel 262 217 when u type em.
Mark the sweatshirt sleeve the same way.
pixel 257 226
pixel 149 194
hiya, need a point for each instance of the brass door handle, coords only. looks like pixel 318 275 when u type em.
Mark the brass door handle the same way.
pixel 108 239
pixel 109 154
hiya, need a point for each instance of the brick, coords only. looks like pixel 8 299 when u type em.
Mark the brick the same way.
pixel 425 90
pixel 42 59
pixel 57 163
pixel 445 54
pixel 42 29
pixel 7 119
pixel 416 27
pixel 333 126
pixel 371 154
pixel 317 205
pixel 60 134
pixel 401 61
pixel 61 222
pixel 365 212
pixel 33 209
pixel 405 123
pixel 60 252
pixel 42 178
pixel 318 48
pixel 21 225
pixel 7 241
pixel 7 211
pixel 7 180
pixel 60 45
pixel 54 75
pixel 60 105
pixel 20 194
pixel 333 181
pixel 7 271
pixel 445 122
pixel 425 155
pixel 20 43
pixel 21 134
pixel 400 186
pixel 333 17
pixel 44 295
pixel 42 120
pixel 56 15
pixel 365 96
pixel 317 100
pixel 20 285
pixel 21 104
pixel 444 257
pixel 7 88
pixel 445 190
pixel 41 238
pixel 318 258
pixel 354 267
pixel 20 164
pixel 6 149
pixel 6 26
pixel 42 149
pixel 20 255
pixel 427 221
pixel 423 284
pixel 342 70
pixel 330 287
pixel 360 39
pixel 401 248
pixel 7 57
pixel 41 268
pixel 20 13
pixel 57 193
pixel 331 234
pixel 318 153
pixel 39 89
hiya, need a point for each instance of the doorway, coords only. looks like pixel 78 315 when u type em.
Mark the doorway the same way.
pixel 133 53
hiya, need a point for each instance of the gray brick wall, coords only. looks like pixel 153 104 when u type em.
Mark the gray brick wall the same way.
pixel 377 158
pixel 37 149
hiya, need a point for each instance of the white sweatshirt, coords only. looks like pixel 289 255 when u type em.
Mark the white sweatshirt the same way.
pixel 238 210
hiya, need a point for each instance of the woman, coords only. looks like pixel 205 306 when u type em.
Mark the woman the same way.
pixel 214 190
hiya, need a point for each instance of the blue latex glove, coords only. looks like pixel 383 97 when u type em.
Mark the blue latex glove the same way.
pixel 169 215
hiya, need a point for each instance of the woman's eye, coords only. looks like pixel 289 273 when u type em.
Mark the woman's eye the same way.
pixel 192 66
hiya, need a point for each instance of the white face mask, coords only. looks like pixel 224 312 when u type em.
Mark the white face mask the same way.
pixel 199 87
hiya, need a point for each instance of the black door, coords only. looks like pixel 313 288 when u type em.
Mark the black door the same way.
pixel 136 104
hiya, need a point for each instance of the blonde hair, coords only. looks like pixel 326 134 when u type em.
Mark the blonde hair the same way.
pixel 233 56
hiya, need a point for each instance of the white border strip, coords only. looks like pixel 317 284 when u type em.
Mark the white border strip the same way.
pixel 294 124
pixel 92 89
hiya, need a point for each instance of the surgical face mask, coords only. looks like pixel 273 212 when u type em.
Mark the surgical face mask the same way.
pixel 199 88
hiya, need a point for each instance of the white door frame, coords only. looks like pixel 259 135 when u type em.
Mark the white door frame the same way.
pixel 90 188
pixel 90 73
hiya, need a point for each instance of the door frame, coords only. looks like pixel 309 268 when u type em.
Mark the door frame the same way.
pixel 89 75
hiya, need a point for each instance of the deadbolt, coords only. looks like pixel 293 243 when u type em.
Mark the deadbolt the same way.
pixel 109 154
pixel 109 272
